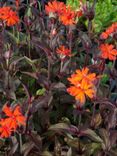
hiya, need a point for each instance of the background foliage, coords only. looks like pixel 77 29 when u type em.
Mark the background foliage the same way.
pixel 105 13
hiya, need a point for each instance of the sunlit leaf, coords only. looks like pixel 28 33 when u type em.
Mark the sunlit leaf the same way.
pixel 92 135
pixel 40 92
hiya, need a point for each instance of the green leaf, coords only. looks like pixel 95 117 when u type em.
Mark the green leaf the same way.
pixel 41 92
pixel 110 64
pixel 92 148
pixel 104 79
pixel 72 142
pixel 92 135
pixel 59 126
pixel 69 153
pixel 46 153
pixel 27 147
pixel 106 140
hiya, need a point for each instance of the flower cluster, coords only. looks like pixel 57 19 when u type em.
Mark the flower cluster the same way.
pixel 66 15
pixel 63 52
pixel 82 85
pixel 12 121
pixel 108 51
pixel 110 30
pixel 8 16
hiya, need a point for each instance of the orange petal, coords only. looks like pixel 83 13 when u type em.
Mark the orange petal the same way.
pixel 7 110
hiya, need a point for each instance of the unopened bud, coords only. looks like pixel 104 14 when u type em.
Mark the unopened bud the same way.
pixel 90 15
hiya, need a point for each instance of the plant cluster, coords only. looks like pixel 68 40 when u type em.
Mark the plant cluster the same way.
pixel 58 80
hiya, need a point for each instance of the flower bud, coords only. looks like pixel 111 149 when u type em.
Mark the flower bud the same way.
pixel 90 15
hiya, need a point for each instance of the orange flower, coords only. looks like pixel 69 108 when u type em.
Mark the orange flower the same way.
pixel 104 35
pixel 82 85
pixel 55 7
pixel 15 117
pixel 108 51
pixel 5 130
pixel 81 90
pixel 81 75
pixel 63 51
pixel 4 11
pixel 68 16
pixel 109 31
pixel 9 16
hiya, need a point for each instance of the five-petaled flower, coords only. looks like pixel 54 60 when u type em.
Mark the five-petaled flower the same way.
pixel 81 90
pixel 82 85
pixel 8 16
pixel 108 51
pixel 55 7
pixel 82 75
pixel 68 16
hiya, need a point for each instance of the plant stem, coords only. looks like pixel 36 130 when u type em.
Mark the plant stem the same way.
pixel 61 66
pixel 79 121
pixel 70 45
pixel 49 66
pixel 29 46
pixel 87 57
pixel 20 141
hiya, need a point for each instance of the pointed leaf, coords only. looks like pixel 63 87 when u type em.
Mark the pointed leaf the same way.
pixel 92 135
pixel 59 126
pixel 46 153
